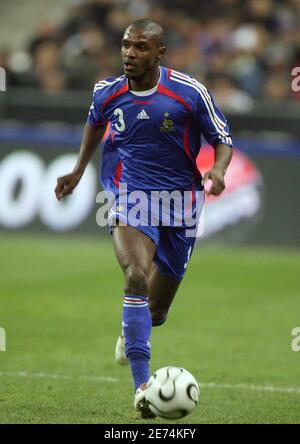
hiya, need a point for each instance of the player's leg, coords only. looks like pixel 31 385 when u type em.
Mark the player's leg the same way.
pixel 172 255
pixel 162 290
pixel 135 251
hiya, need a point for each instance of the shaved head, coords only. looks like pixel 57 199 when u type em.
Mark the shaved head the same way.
pixel 151 28
pixel 142 50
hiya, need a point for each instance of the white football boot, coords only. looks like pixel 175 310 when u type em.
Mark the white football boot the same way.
pixel 120 354
pixel 140 404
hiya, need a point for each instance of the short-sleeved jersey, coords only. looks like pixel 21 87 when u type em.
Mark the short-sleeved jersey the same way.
pixel 152 141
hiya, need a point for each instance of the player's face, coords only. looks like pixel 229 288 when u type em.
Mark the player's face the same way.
pixel 140 53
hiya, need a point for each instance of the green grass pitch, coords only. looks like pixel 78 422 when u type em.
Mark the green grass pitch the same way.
pixel 231 323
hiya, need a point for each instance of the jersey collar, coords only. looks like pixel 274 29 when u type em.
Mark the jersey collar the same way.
pixel 147 92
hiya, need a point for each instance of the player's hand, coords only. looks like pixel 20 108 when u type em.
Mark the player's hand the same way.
pixel 66 184
pixel 216 174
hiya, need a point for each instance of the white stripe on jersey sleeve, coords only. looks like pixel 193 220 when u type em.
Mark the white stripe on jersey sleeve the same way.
pixel 217 122
pixel 103 83
pixel 205 92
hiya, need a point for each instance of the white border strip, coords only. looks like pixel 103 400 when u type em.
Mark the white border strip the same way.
pixel 210 385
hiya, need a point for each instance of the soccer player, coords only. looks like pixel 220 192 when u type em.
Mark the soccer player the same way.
pixel 154 118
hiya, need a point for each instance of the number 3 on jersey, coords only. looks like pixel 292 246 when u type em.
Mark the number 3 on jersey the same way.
pixel 120 125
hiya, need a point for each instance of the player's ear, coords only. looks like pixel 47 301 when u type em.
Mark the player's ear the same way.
pixel 161 52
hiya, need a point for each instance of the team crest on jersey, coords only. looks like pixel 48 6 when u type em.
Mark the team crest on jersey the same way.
pixel 167 124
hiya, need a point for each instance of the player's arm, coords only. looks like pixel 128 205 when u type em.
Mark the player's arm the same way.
pixel 223 155
pixel 91 138
pixel 216 131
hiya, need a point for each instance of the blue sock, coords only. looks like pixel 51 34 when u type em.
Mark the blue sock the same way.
pixel 137 331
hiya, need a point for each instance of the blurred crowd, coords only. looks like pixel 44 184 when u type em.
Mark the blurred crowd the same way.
pixel 240 49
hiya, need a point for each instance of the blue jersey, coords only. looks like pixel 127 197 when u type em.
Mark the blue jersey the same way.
pixel 153 140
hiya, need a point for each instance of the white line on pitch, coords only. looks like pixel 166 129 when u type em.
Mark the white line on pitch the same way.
pixel 212 385
pixel 24 374
pixel 266 388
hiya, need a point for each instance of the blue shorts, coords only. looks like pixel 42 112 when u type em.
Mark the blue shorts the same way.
pixel 173 249
pixel 174 244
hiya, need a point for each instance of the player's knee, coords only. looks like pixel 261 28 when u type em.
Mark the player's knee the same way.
pixel 136 281
pixel 158 317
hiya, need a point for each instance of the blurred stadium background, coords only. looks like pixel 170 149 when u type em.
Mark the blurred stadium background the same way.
pixel 52 53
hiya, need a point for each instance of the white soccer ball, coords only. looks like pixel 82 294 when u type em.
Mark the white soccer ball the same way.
pixel 172 393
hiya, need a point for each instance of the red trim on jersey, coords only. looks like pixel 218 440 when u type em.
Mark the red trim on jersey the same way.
pixel 106 134
pixel 194 185
pixel 113 135
pixel 169 73
pixel 193 193
pixel 167 92
pixel 138 102
pixel 118 93
pixel 186 144
pixel 118 173
pixel 187 150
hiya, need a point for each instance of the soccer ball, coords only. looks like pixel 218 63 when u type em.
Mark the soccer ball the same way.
pixel 172 393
